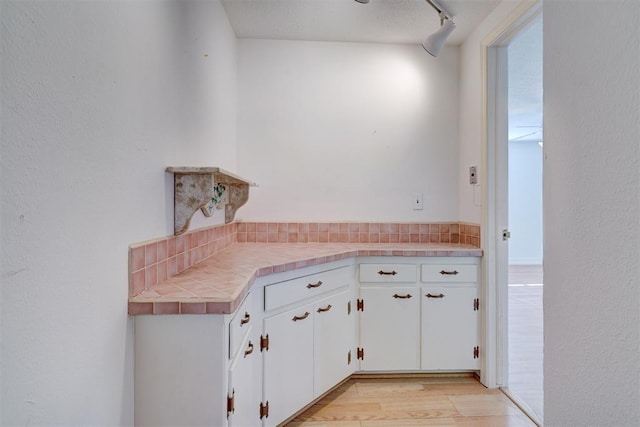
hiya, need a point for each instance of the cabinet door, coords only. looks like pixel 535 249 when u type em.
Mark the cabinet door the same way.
pixel 335 336
pixel 389 328
pixel 244 386
pixel 288 363
pixel 449 328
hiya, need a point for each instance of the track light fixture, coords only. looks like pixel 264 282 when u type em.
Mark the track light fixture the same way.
pixel 434 43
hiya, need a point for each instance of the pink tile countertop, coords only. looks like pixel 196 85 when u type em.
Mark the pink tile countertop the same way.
pixel 219 283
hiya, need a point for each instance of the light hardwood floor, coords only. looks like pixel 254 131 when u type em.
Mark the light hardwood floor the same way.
pixel 408 402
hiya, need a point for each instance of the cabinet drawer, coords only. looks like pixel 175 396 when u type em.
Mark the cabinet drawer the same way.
pixel 287 292
pixel 239 326
pixel 388 273
pixel 449 273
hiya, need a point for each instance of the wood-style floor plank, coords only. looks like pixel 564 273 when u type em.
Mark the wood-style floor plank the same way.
pixel 526 335
pixel 409 402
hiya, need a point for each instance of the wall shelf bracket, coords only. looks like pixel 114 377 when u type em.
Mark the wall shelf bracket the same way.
pixel 206 188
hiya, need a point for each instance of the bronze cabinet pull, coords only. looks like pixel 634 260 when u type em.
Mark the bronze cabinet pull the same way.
pixel 245 319
pixel 304 316
pixel 249 349
pixel 449 273
pixel 322 310
pixel 407 296
pixel 435 296
pixel 314 285
pixel 387 273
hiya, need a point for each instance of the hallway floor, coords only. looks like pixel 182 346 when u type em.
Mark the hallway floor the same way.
pixel 526 335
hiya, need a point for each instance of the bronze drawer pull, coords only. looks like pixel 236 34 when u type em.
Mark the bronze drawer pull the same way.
pixel 245 319
pixel 449 273
pixel 387 273
pixel 435 296
pixel 407 296
pixel 249 349
pixel 314 285
pixel 322 310
pixel 304 316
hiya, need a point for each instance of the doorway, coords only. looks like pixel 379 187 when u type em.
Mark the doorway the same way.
pixel 496 226
pixel 525 273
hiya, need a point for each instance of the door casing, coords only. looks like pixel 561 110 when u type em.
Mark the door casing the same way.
pixel 495 263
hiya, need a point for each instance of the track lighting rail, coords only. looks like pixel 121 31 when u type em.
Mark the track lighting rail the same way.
pixel 434 43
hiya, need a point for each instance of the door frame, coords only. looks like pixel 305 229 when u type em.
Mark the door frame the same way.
pixel 494 158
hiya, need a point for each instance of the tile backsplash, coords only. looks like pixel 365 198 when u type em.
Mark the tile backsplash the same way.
pixel 346 232
pixel 154 261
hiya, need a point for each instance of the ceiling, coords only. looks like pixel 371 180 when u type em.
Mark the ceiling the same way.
pixel 525 84
pixel 399 21
pixel 379 21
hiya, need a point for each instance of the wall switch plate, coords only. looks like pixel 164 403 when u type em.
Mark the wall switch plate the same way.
pixel 473 175
pixel 417 201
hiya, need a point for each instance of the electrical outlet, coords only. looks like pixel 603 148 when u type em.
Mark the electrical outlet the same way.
pixel 417 201
pixel 473 175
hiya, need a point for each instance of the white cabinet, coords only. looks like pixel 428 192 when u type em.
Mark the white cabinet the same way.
pixel 450 309
pixel 389 328
pixel 294 290
pixel 311 329
pixel 288 363
pixel 187 367
pixel 411 323
pixel 301 332
pixel 243 390
pixel 449 273
pixel 308 354
pixel 334 340
pixel 389 306
pixel 388 273
pixel 449 328
pixel 244 372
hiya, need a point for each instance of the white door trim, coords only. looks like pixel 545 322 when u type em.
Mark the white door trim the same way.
pixel 494 365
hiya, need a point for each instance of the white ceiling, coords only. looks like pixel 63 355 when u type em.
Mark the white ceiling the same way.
pixel 379 21
pixel 525 84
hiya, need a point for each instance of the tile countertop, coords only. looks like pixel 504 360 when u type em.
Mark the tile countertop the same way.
pixel 218 284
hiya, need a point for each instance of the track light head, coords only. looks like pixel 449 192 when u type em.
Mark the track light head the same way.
pixel 434 43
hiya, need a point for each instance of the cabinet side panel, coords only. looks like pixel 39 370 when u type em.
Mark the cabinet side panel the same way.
pixel 180 367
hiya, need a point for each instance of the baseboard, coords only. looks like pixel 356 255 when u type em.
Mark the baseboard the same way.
pixel 525 261
pixel 394 375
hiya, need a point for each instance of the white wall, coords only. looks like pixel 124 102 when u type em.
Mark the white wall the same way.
pixel 525 202
pixel 97 99
pixel 592 211
pixel 347 131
